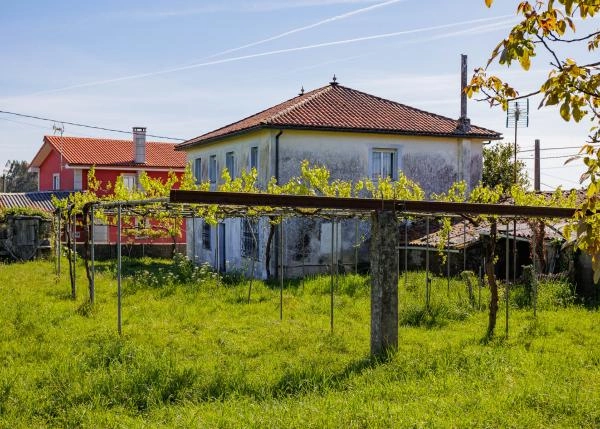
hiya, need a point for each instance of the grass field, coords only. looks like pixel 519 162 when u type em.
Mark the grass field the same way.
pixel 195 354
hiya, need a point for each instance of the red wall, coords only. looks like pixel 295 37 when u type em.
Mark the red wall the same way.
pixel 51 165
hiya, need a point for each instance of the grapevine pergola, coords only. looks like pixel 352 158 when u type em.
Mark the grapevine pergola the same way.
pixel 385 233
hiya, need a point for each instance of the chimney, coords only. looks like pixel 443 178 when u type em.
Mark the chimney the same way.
pixel 139 143
pixel 464 123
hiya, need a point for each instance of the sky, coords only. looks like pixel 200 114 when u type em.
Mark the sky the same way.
pixel 182 68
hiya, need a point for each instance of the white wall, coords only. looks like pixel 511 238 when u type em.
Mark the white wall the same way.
pixel 435 163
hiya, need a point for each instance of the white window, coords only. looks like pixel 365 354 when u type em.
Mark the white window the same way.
pixel 383 164
pixel 230 164
pixel 254 157
pixel 77 179
pixel 212 169
pixel 56 181
pixel 198 170
pixel 130 181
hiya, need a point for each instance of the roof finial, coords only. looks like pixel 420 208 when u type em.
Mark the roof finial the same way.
pixel 333 81
pixel 301 91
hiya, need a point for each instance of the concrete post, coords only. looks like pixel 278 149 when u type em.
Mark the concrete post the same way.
pixel 384 282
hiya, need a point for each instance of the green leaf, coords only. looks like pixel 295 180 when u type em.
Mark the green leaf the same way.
pixel 565 111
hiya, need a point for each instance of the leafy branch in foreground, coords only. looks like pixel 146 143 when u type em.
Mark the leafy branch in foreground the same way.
pixel 572 85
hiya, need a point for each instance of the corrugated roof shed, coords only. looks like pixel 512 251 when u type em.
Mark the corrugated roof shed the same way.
pixel 36 200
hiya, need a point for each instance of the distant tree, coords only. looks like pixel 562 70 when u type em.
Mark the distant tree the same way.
pixel 18 179
pixel 498 167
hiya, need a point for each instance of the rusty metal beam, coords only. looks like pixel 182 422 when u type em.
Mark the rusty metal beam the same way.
pixel 364 204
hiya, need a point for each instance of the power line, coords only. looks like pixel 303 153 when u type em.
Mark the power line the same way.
pixel 561 178
pixel 554 157
pixel 550 148
pixel 39 118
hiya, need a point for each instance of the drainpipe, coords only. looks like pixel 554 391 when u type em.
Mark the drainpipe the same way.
pixel 279 230
pixel 277 155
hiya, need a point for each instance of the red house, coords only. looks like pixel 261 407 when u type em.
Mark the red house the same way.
pixel 63 163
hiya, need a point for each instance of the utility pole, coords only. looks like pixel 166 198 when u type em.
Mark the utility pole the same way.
pixel 536 166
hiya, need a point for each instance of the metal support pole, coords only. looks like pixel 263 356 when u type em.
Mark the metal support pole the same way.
pixel 58 243
pixel 479 286
pixel 217 250
pixel 119 326
pixel 514 246
pixel 534 278
pixel 74 252
pixel 194 238
pixel 281 269
pixel 92 257
pixel 507 272
pixel 448 260
pixel 427 291
pixel 333 233
pixel 355 246
pixel 405 253
pixel 464 245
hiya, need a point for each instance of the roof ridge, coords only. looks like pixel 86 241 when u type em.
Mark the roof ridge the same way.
pixel 315 93
pixel 105 138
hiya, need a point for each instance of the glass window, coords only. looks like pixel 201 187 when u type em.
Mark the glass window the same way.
pixel 212 169
pixel 254 157
pixel 198 170
pixel 56 181
pixel 77 179
pixel 130 181
pixel 206 236
pixel 383 164
pixel 230 164
pixel 250 238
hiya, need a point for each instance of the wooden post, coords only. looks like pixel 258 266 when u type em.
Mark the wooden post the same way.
pixel 384 282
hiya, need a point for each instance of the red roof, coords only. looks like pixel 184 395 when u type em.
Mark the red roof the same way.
pixel 337 108
pixel 110 152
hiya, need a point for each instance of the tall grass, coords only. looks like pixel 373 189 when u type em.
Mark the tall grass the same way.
pixel 200 356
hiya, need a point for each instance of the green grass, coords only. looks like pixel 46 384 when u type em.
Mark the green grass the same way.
pixel 195 354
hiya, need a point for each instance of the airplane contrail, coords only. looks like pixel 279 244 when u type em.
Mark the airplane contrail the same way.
pixel 307 27
pixel 491 26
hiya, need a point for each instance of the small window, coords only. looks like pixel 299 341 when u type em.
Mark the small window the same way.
pixel 56 181
pixel 254 157
pixel 77 179
pixel 230 164
pixel 383 164
pixel 212 169
pixel 198 170
pixel 250 239
pixel 206 236
pixel 130 181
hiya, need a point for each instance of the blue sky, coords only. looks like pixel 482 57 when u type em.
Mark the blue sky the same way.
pixel 182 68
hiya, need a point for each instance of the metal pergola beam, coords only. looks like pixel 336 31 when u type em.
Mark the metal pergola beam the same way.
pixel 364 204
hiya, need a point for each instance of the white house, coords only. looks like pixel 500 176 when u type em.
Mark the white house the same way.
pixel 355 135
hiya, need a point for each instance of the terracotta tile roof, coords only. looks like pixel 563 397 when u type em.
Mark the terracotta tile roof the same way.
pixel 118 153
pixel 338 108
pixel 37 200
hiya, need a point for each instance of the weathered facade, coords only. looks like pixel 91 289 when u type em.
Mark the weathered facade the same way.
pixel 355 135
